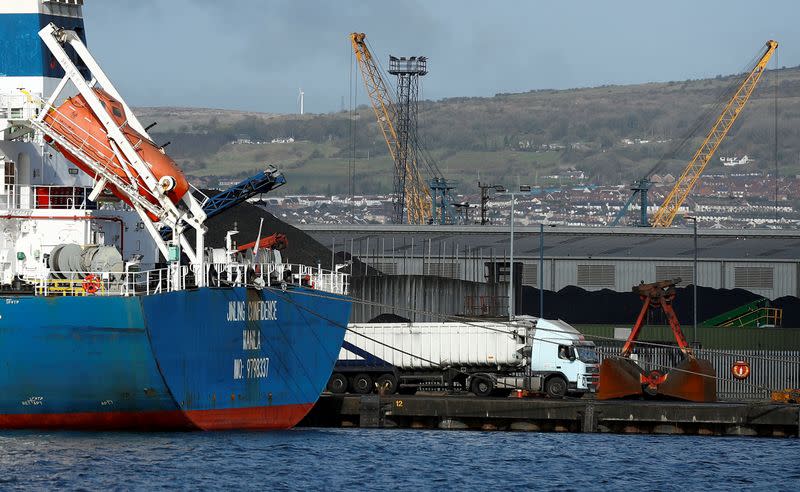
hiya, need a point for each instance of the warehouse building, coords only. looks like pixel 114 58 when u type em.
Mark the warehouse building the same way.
pixel 765 262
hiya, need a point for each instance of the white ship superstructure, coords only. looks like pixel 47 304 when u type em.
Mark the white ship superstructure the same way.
pixel 44 199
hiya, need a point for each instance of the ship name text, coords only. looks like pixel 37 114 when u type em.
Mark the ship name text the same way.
pixel 252 311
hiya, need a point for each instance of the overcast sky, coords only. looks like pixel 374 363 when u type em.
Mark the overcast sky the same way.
pixel 256 54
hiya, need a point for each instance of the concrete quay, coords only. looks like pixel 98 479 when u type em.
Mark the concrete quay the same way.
pixel 453 412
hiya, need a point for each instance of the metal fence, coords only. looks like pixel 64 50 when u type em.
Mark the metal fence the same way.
pixel 769 369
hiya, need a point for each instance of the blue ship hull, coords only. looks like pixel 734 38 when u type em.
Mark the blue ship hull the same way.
pixel 210 358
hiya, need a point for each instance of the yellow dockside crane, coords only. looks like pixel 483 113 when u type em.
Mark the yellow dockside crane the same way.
pixel 412 195
pixel 683 186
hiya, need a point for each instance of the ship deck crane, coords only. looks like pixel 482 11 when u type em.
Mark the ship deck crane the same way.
pixel 412 195
pixel 691 173
pixel 263 182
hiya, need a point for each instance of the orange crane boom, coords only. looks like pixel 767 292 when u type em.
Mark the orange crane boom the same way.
pixel 683 186
pixel 413 194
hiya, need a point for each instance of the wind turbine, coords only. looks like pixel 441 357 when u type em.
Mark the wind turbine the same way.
pixel 301 100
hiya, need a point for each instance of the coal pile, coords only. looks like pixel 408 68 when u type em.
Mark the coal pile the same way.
pixel 579 306
pixel 302 248
pixel 791 310
pixel 389 318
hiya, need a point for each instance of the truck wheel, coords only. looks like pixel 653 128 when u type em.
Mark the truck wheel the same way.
pixel 556 387
pixel 482 386
pixel 362 384
pixel 389 384
pixel 337 384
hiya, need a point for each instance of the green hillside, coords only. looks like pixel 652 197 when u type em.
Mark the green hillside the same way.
pixel 500 137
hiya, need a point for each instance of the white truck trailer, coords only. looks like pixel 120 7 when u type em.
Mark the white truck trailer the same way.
pixel 486 358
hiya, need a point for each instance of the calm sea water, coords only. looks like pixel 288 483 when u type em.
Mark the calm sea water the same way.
pixel 359 459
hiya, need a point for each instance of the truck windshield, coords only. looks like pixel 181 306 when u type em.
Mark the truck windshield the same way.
pixel 587 354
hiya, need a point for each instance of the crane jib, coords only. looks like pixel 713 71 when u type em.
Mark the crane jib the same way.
pixel 412 195
pixel 684 185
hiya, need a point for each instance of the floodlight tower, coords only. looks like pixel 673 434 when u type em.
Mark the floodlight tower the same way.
pixel 408 71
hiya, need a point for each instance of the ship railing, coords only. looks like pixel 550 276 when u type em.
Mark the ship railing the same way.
pixel 155 281
pixel 63 197
pixel 45 197
pixel 278 275
pixel 76 284
pixel 53 197
pixel 106 284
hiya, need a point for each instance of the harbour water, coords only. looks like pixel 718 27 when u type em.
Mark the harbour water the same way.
pixel 362 459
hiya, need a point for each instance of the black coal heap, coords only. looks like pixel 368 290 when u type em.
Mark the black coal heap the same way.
pixel 246 218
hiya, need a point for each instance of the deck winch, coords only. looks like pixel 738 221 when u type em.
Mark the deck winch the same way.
pixel 67 261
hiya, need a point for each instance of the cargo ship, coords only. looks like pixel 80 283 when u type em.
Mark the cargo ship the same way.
pixel 113 312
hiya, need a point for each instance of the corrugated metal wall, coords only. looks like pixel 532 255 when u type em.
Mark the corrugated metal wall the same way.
pixel 442 296
pixel 771 279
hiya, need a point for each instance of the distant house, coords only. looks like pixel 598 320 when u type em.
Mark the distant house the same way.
pixel 734 161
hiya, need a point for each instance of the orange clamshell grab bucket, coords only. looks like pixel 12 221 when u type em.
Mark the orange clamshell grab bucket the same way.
pixel 77 123
pixel 692 380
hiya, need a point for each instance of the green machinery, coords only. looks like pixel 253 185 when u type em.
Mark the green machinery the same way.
pixel 756 314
